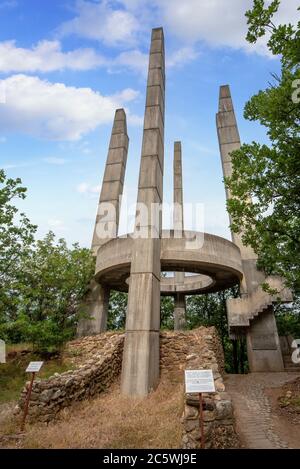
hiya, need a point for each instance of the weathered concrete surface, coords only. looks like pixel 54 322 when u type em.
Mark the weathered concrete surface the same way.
pixel 229 140
pixel 263 344
pixel 95 305
pixel 140 371
pixel 191 284
pixel 112 186
pixel 179 299
pixel 218 259
pixel 179 312
pixel 267 358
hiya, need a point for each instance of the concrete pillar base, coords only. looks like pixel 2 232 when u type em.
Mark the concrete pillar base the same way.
pixel 263 345
pixel 140 368
pixel 95 306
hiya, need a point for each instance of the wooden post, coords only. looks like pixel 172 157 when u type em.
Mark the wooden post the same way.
pixel 27 401
pixel 201 420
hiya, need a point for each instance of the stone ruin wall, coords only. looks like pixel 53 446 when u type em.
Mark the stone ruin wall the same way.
pixel 98 362
pixel 205 352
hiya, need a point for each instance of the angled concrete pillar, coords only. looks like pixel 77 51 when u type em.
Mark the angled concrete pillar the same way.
pixel 140 370
pixel 107 223
pixel 263 346
pixel 108 213
pixel 179 299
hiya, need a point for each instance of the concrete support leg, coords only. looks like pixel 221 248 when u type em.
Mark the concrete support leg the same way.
pixel 263 345
pixel 96 307
pixel 179 312
pixel 140 368
pixel 179 304
pixel 179 300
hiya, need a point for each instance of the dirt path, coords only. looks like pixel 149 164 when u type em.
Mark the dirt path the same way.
pixel 257 426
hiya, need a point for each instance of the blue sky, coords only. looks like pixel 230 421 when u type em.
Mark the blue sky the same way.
pixel 66 65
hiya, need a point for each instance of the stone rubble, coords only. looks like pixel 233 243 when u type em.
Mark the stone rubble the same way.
pixel 98 360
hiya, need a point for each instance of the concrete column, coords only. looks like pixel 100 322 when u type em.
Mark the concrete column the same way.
pixel 179 299
pixel 229 140
pixel 140 371
pixel 107 223
pixel 108 213
pixel 179 312
pixel 264 359
pixel 263 344
pixel 95 306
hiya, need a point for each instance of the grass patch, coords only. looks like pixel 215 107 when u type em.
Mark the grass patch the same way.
pixel 13 376
pixel 112 421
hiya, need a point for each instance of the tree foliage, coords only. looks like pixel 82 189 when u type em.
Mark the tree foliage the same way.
pixel 16 238
pixel 42 282
pixel 117 310
pixel 270 174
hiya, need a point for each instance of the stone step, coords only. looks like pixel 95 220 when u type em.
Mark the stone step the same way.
pixel 293 369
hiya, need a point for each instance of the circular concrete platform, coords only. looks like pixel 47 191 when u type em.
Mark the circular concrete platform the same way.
pixel 215 259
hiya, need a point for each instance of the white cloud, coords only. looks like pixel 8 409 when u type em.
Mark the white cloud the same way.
pixel 55 223
pixel 17 165
pixel 7 4
pixel 181 57
pixel 137 61
pixel 54 160
pixel 126 95
pixel 101 22
pixel 85 188
pixel 217 22
pixel 46 56
pixel 134 60
pixel 55 111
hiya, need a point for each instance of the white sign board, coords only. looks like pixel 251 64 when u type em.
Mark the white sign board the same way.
pixel 2 351
pixel 34 367
pixel 199 381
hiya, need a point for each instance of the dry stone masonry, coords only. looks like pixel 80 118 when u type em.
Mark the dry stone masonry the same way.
pixel 94 373
pixel 97 361
pixel 205 352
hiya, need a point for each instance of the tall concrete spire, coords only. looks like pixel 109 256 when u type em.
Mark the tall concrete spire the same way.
pixel 179 300
pixel 140 372
pixel 229 140
pixel 263 345
pixel 107 223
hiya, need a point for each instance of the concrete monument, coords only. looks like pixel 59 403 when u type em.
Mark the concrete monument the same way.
pixel 133 263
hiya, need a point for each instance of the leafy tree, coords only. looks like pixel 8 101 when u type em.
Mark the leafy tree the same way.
pixel 167 312
pixel 210 310
pixel 16 238
pixel 288 319
pixel 270 174
pixel 117 310
pixel 52 281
